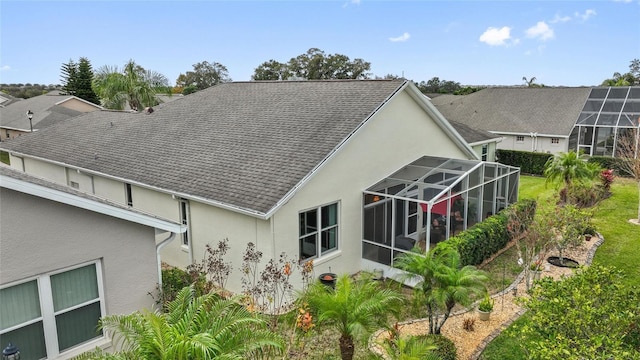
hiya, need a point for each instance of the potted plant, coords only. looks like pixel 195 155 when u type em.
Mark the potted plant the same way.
pixel 589 232
pixel 485 307
pixel 328 279
pixel 535 269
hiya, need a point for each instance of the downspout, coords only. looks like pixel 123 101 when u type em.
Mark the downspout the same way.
pixel 159 247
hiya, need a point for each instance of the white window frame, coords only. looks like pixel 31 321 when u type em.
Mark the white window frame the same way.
pixel 128 194
pixel 48 315
pixel 74 184
pixel 484 152
pixel 555 141
pixel 185 215
pixel 519 138
pixel 318 232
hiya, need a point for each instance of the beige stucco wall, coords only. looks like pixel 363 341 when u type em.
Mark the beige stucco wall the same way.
pixel 84 181
pixel 399 134
pixel 110 189
pixel 491 151
pixel 45 170
pixel 10 133
pixel 39 236
pixel 538 144
pixel 77 105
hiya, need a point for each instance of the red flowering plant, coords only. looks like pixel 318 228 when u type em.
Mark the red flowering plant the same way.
pixel 606 179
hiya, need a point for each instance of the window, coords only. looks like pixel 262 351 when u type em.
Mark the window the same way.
pixel 184 219
pixel 520 138
pixel 318 231
pixel 74 184
pixel 485 152
pixel 555 140
pixel 67 304
pixel 127 194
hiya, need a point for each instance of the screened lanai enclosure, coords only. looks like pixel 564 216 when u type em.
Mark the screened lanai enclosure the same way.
pixel 430 200
pixel 608 114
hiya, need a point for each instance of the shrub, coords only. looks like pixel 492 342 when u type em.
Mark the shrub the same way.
pixel 175 279
pixel 469 324
pixel 528 162
pixel 446 347
pixel 585 316
pixel 608 162
pixel 485 238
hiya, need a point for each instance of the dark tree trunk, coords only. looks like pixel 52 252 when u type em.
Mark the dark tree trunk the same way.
pixel 346 347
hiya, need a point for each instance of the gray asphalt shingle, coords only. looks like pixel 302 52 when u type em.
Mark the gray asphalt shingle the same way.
pixel 244 144
pixel 547 110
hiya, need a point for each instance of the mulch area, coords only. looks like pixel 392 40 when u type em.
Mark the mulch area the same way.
pixel 470 344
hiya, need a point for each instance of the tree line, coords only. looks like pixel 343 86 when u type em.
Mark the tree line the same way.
pixel 136 87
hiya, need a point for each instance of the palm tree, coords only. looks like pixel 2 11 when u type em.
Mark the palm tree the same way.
pixel 205 327
pixel 354 308
pixel 133 85
pixel 568 167
pixel 443 282
pixel 410 348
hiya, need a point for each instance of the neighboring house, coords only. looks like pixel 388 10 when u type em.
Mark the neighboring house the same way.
pixel 549 119
pixel 300 167
pixel 483 143
pixel 47 109
pixel 528 119
pixel 68 258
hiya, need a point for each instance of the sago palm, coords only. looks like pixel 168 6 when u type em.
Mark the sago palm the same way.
pixel 457 284
pixel 354 308
pixel 568 167
pixel 442 281
pixel 410 348
pixel 205 327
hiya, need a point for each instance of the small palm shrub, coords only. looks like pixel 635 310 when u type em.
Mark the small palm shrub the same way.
pixel 446 348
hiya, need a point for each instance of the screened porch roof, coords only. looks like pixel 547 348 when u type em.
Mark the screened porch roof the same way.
pixel 439 178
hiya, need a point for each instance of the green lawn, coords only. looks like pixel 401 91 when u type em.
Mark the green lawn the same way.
pixel 620 248
pixel 4 157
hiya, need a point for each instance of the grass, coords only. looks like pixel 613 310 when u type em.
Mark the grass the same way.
pixel 4 157
pixel 619 248
pixel 502 270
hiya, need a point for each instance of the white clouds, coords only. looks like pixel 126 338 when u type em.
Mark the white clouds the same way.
pixel 5 68
pixel 496 37
pixel 540 31
pixel 402 38
pixel 586 15
pixel 354 2
pixel 560 19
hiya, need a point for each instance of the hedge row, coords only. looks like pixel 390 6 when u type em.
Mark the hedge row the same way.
pixel 528 162
pixel 485 238
pixel 607 162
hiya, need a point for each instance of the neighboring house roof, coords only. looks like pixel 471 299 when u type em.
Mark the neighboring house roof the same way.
pixel 25 183
pixel 241 145
pixel 474 136
pixel 6 99
pixel 47 109
pixel 547 110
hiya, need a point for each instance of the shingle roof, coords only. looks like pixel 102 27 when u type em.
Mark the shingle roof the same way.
pixel 472 135
pixel 44 108
pixel 243 144
pixel 547 110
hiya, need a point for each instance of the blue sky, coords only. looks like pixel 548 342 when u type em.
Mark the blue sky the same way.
pixel 561 43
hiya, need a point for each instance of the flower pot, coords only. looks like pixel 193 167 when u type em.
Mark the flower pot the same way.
pixel 328 279
pixel 484 315
pixel 535 275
